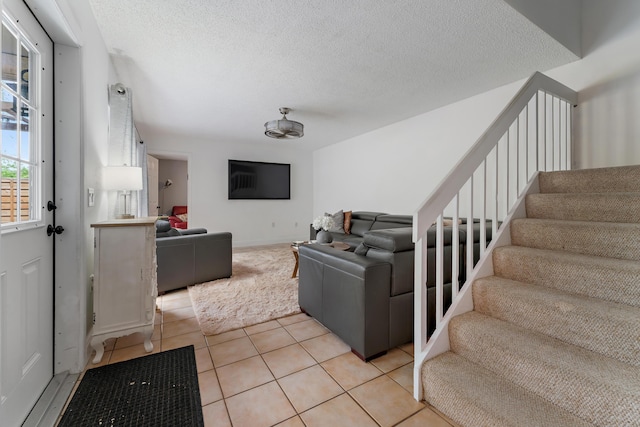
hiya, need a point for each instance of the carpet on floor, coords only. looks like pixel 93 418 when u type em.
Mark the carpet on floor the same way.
pixel 260 289
pixel 160 389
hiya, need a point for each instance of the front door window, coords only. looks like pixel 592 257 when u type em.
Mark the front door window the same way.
pixel 19 154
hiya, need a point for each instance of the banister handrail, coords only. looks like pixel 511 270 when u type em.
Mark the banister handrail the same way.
pixel 424 217
pixel 550 103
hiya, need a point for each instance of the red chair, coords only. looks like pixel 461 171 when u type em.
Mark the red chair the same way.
pixel 178 218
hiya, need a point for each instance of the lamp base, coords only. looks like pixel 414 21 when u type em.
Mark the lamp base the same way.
pixel 125 216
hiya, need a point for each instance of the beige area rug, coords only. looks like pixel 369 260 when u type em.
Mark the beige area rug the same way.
pixel 259 289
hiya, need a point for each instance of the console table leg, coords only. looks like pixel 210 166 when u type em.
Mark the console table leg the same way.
pixel 148 345
pixel 98 345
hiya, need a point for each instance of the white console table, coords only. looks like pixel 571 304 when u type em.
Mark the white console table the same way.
pixel 125 281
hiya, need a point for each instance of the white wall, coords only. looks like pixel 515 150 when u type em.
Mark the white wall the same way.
pixel 82 77
pixel 395 168
pixel 608 81
pixel 252 222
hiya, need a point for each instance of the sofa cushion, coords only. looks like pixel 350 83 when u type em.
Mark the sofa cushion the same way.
pixel 189 231
pixel 362 221
pixel 391 239
pixel 347 222
pixel 350 239
pixel 392 221
pixel 338 222
pixel 360 226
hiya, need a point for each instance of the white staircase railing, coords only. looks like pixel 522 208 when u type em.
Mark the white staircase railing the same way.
pixel 533 133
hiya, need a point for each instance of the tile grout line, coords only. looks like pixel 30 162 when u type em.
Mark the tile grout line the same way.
pixel 261 354
pixel 382 373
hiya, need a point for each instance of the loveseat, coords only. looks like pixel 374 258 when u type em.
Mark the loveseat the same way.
pixel 187 257
pixel 365 296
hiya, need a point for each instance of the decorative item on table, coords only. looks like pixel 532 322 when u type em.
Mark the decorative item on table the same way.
pixel 322 224
pixel 123 179
pixel 298 243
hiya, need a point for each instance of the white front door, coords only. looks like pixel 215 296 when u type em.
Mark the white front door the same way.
pixel 26 252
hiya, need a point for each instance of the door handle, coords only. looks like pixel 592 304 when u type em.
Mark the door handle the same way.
pixel 51 229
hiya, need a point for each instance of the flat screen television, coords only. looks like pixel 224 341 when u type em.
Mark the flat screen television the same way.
pixel 259 180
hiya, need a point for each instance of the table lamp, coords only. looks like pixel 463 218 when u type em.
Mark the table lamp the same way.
pixel 123 179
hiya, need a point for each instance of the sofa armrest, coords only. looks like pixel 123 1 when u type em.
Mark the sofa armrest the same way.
pixel 212 256
pixel 175 262
pixel 391 240
pixel 347 293
pixel 396 247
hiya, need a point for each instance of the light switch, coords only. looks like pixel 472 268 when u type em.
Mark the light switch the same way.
pixel 91 197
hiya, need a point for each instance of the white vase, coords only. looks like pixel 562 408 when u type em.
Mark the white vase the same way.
pixel 324 237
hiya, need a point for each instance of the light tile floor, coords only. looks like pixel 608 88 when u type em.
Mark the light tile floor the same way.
pixel 286 372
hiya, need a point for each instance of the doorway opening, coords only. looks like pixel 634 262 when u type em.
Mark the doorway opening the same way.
pixel 168 177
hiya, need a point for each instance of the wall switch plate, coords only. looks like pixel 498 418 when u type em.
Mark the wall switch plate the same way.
pixel 91 197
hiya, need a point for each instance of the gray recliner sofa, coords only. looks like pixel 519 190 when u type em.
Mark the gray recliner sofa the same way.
pixel 366 297
pixel 187 257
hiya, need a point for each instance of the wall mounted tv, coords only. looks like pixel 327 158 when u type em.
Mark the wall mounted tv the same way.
pixel 259 180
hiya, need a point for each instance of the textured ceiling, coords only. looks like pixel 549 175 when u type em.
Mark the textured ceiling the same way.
pixel 217 70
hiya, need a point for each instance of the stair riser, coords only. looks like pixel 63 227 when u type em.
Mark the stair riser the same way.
pixel 473 396
pixel 616 179
pixel 595 388
pixel 606 328
pixel 616 207
pixel 610 280
pixel 621 241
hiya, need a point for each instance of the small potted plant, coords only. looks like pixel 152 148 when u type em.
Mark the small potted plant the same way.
pixel 322 224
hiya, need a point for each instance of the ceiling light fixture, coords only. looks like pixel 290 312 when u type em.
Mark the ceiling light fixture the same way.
pixel 284 128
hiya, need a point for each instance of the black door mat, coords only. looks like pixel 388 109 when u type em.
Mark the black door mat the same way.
pixel 156 390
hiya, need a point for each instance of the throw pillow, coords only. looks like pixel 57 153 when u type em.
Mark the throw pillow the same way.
pixel 347 222
pixel 361 249
pixel 183 217
pixel 338 222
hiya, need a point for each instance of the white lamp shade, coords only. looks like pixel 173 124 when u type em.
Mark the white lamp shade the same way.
pixel 122 178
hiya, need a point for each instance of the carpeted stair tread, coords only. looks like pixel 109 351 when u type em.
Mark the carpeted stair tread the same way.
pixel 593 387
pixel 623 178
pixel 473 396
pixel 601 207
pixel 605 239
pixel 607 328
pixel 610 279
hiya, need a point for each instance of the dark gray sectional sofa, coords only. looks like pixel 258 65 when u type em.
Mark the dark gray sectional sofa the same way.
pixel 187 257
pixel 365 295
pixel 362 221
